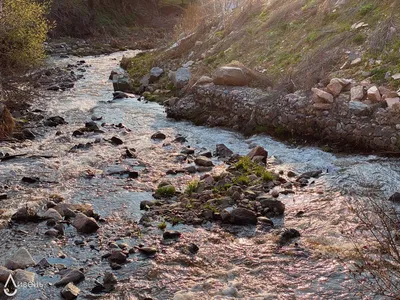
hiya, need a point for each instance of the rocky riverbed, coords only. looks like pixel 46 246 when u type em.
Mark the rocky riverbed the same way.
pixel 111 199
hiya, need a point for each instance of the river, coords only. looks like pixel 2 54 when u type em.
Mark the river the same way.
pixel 243 265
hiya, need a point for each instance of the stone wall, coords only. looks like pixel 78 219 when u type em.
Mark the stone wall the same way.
pixel 363 126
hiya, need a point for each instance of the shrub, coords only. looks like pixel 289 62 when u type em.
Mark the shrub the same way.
pixel 166 191
pixel 162 225
pixel 192 187
pixel 23 30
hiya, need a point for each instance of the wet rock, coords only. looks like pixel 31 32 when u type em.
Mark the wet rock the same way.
pixel 207 154
pixel 158 136
pixel 117 256
pixel 258 151
pixel 55 121
pixel 115 266
pixel 96 118
pixel 242 216
pixel 60 228
pixel 179 139
pixel 20 260
pixel 150 251
pixel 171 234
pixel 122 82
pixel 395 198
pixel 203 169
pixel 310 174
pixel 193 248
pixel 203 161
pixel 287 235
pixel 187 151
pixel 43 263
pixel 109 281
pixel 116 141
pixel 146 204
pixel 30 180
pixel 74 276
pixel 191 169
pixel 70 291
pixel 85 224
pixel 155 74
pixel 28 134
pixel 51 213
pixel 4 274
pixel 3 196
pixel 271 205
pixel 23 277
pixel 52 232
pixel 77 132
pixel 223 151
pixel 275 193
pixel 91 126
pixel 291 174
pixel 120 95
pixel 130 153
pixel 265 221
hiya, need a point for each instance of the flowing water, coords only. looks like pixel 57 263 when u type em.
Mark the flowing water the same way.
pixel 244 265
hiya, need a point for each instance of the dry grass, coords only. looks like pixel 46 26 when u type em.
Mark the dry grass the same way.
pixel 7 123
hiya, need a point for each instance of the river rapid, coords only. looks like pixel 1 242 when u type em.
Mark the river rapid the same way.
pixel 239 263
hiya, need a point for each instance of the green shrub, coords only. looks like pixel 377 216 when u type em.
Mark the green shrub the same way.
pixel 192 187
pixel 242 180
pixel 162 225
pixel 166 191
pixel 365 9
pixel 23 30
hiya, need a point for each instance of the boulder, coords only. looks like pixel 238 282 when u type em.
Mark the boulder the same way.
pixel 223 151
pixel 117 256
pixel 231 75
pixel 334 87
pixel 20 260
pixel 122 82
pixel 203 161
pixel 22 276
pixel 395 198
pixel 84 224
pixel 271 205
pixel 357 93
pixel 258 151
pixel 322 96
pixel 158 136
pixel 73 276
pixel 392 101
pixel 180 78
pixel 373 94
pixel 70 291
pixel 51 213
pixel 155 74
pixel 242 216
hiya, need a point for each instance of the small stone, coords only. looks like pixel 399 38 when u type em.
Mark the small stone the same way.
pixel 22 276
pixel 374 94
pixel 395 198
pixel 70 291
pixel 334 87
pixel 356 61
pixel 287 235
pixel 109 281
pixel 4 274
pixel 190 169
pixel 275 193
pixel 171 234
pixel 223 151
pixel 357 93
pixel 20 260
pixel 242 216
pixel 323 96
pixel 392 101
pixel 266 221
pixel 118 257
pixel 116 141
pixel 193 248
pixel 158 136
pixel 146 204
pixel 148 250
pixel 73 276
pixel 291 174
pixel 396 76
pixel 52 232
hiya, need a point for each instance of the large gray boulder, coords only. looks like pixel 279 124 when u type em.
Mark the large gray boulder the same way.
pixel 180 78
pixel 231 75
pixel 122 82
pixel 20 260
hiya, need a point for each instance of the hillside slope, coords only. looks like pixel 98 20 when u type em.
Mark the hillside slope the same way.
pixel 297 43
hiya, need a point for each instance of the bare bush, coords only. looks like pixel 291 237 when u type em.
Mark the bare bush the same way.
pixel 377 245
